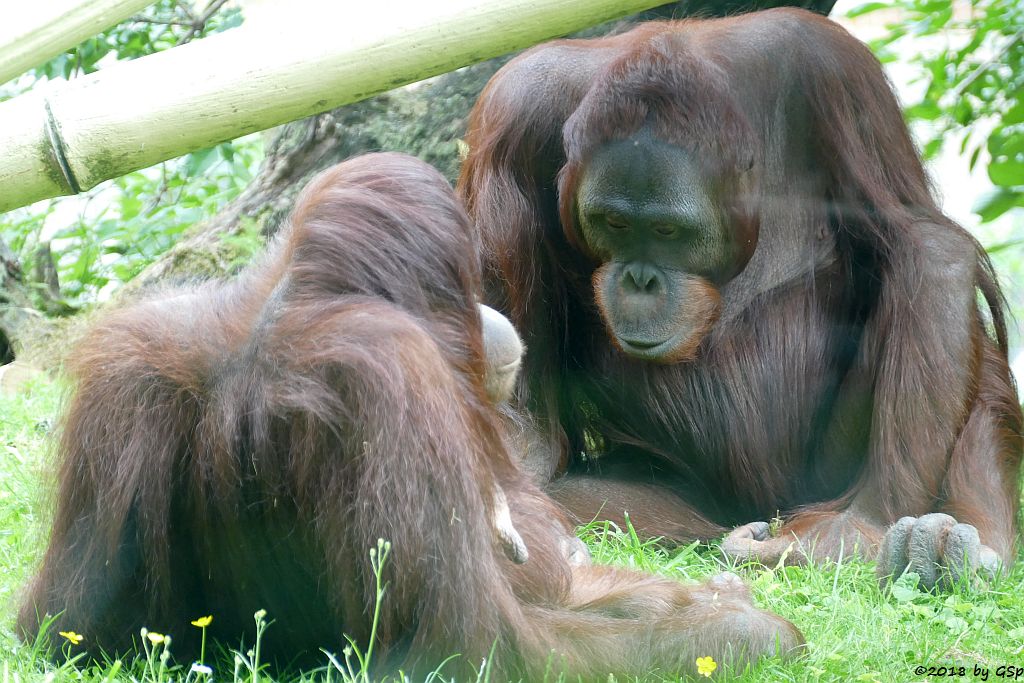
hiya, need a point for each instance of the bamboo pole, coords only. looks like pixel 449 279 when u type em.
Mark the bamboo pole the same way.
pixel 35 31
pixel 139 113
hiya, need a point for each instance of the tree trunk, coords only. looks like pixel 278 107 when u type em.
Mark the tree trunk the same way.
pixel 18 317
pixel 426 119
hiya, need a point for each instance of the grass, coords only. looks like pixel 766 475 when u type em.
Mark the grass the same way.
pixel 855 631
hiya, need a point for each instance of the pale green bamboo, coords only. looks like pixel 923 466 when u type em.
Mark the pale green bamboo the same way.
pixel 138 113
pixel 33 31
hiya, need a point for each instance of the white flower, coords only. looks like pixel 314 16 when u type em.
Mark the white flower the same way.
pixel 198 668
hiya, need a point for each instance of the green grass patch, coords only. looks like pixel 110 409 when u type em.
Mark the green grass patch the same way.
pixel 855 632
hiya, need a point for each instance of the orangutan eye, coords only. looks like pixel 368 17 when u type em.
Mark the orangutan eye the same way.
pixel 616 222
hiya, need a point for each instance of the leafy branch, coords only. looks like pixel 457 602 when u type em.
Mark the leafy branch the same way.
pixel 970 57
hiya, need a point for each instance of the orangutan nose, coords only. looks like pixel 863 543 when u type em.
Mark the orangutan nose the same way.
pixel 638 278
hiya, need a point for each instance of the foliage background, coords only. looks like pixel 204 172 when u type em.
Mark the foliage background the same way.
pixel 102 239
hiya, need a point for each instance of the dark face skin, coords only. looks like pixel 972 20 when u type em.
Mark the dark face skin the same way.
pixel 646 211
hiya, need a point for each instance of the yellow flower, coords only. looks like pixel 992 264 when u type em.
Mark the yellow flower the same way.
pixel 72 637
pixel 155 638
pixel 705 666
pixel 203 622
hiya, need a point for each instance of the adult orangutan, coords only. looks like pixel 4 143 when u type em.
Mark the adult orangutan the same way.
pixel 740 299
pixel 241 445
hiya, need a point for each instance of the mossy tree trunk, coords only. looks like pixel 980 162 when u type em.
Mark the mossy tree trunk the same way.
pixel 17 312
pixel 426 120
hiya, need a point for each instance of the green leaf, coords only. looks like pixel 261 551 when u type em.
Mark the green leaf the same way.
pixel 927 110
pixel 964 143
pixel 995 203
pixel 956 624
pixel 972 162
pixel 1008 173
pixel 923 611
pixel 903 594
pixel 904 589
pixel 199 161
pixel 1004 246
pixel 867 8
pixel 963 112
pixel 130 207
pixel 1006 141
pixel 932 148
pixel 1015 114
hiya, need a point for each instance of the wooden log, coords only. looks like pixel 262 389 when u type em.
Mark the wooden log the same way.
pixel 139 113
pixel 33 32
